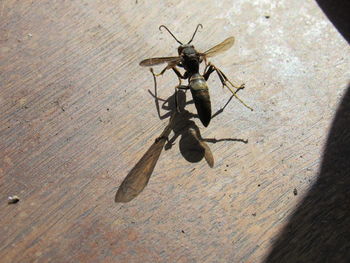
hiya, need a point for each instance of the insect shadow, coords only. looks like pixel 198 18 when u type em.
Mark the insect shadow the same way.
pixel 193 146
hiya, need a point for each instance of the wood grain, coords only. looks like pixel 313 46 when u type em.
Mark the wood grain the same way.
pixel 76 116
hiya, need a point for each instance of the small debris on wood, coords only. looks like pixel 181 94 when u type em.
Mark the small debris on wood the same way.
pixel 13 199
pixel 295 191
pixel 59 105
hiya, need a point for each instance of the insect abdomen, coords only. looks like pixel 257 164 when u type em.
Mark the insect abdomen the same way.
pixel 200 94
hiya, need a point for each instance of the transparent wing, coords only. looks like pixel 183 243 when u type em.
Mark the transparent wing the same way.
pixel 223 46
pixel 156 61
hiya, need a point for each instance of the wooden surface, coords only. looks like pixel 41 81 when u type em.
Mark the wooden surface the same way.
pixel 76 116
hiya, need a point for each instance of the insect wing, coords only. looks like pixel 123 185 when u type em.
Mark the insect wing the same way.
pixel 222 47
pixel 156 61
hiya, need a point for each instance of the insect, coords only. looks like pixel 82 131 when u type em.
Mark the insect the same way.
pixel 190 59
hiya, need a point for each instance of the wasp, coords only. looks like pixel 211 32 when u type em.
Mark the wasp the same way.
pixel 190 59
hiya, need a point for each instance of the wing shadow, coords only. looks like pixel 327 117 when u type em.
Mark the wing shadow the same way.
pixel 192 146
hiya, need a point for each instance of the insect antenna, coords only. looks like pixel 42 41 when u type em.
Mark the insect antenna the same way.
pixel 160 28
pixel 199 25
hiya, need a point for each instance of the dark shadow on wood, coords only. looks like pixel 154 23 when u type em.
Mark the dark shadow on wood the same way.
pixel 319 229
pixel 338 12
pixel 192 146
pixel 138 177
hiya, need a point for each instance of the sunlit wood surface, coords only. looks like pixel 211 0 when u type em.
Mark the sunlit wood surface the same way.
pixel 77 115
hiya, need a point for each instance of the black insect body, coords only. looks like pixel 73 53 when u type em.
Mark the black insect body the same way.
pixel 201 98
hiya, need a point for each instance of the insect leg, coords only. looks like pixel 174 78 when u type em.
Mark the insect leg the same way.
pixel 211 68
pixel 207 71
pixel 162 72
pixel 180 86
pixel 225 82
pixel 178 73
pixel 169 66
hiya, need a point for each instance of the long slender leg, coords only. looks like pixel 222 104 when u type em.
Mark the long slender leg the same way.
pixel 178 73
pixel 179 76
pixel 162 72
pixel 169 66
pixel 157 99
pixel 207 71
pixel 180 86
pixel 210 68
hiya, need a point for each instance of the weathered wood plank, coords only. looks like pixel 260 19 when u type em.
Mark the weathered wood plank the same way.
pixel 76 116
